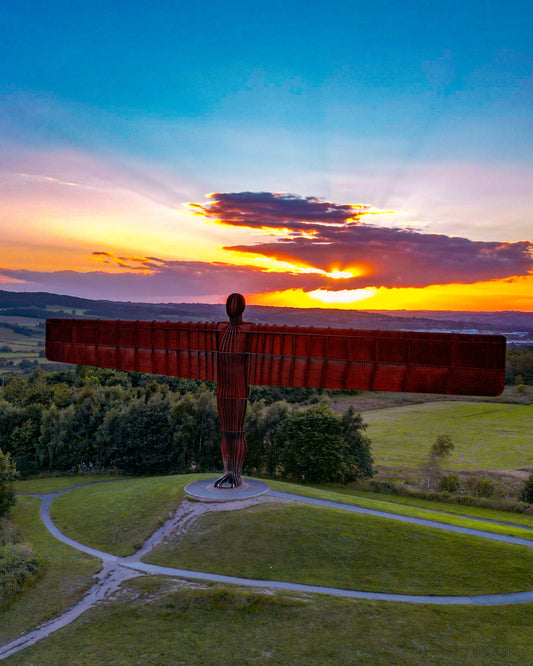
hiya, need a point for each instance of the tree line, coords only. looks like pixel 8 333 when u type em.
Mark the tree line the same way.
pixel 97 419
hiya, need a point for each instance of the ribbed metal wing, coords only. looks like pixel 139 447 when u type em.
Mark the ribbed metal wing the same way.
pixel 410 361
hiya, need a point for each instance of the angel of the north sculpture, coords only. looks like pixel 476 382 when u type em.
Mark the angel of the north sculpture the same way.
pixel 236 354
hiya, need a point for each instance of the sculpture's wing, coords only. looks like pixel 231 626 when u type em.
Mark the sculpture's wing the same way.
pixel 376 360
pixel 179 349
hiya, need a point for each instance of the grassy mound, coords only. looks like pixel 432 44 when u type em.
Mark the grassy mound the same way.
pixel 319 546
pixel 486 435
pixel 118 517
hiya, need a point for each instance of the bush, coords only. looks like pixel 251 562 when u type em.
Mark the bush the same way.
pixel 527 492
pixel 450 483
pixel 19 568
pixel 482 488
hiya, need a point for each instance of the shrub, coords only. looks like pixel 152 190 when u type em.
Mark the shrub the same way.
pixel 19 568
pixel 450 483
pixel 483 488
pixel 527 492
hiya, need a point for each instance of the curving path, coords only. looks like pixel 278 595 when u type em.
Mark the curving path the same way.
pixel 118 569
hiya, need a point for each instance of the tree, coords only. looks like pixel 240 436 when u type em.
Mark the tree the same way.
pixel 262 426
pixel 527 491
pixel 197 431
pixel 358 453
pixel 8 474
pixel 441 448
pixel 318 445
pixel 140 436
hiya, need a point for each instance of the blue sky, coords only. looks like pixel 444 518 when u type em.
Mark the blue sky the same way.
pixel 420 108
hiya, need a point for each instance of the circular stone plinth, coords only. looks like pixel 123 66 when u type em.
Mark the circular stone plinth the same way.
pixel 205 490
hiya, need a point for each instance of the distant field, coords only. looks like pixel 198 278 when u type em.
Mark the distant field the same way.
pixel 19 354
pixel 20 321
pixel 64 310
pixel 486 435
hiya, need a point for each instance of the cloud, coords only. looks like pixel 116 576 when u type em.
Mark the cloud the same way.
pixel 163 281
pixel 333 237
pixel 273 210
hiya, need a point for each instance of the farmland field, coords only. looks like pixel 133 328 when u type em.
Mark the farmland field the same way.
pixel 486 435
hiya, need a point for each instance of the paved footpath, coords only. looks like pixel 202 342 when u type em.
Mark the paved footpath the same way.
pixel 118 569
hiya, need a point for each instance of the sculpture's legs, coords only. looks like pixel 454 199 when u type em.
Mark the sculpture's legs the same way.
pixel 233 446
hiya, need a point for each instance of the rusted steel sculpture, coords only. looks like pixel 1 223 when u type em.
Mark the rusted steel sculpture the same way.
pixel 238 354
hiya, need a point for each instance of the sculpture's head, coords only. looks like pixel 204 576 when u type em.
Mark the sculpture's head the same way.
pixel 235 307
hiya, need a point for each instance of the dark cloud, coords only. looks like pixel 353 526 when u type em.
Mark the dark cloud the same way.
pixel 331 236
pixel 277 210
pixel 168 281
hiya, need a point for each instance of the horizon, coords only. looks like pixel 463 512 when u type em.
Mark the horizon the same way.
pixel 221 303
pixel 353 157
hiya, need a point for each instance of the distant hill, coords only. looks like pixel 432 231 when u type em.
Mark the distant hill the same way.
pixel 40 305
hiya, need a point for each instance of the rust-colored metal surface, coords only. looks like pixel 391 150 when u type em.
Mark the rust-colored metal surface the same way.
pixel 237 354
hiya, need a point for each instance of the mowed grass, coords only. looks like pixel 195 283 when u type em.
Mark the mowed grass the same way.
pixel 319 546
pixel 154 624
pixel 118 517
pixel 66 577
pixel 486 435
pixel 497 522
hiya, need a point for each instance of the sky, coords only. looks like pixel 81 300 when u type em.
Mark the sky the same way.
pixel 320 154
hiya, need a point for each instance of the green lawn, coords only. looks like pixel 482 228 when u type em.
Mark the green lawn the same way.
pixel 486 435
pixel 444 513
pixel 154 624
pixel 396 503
pixel 118 517
pixel 331 547
pixel 67 575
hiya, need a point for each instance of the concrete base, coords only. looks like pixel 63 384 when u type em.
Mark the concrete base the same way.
pixel 205 490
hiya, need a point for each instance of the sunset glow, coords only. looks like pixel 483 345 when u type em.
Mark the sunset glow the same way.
pixel 299 167
pixel 482 296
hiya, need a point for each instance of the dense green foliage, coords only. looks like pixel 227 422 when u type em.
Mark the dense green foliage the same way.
pixel 96 419
pixel 8 474
pixel 318 445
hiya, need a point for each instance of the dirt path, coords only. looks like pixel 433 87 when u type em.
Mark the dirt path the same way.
pixel 116 569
